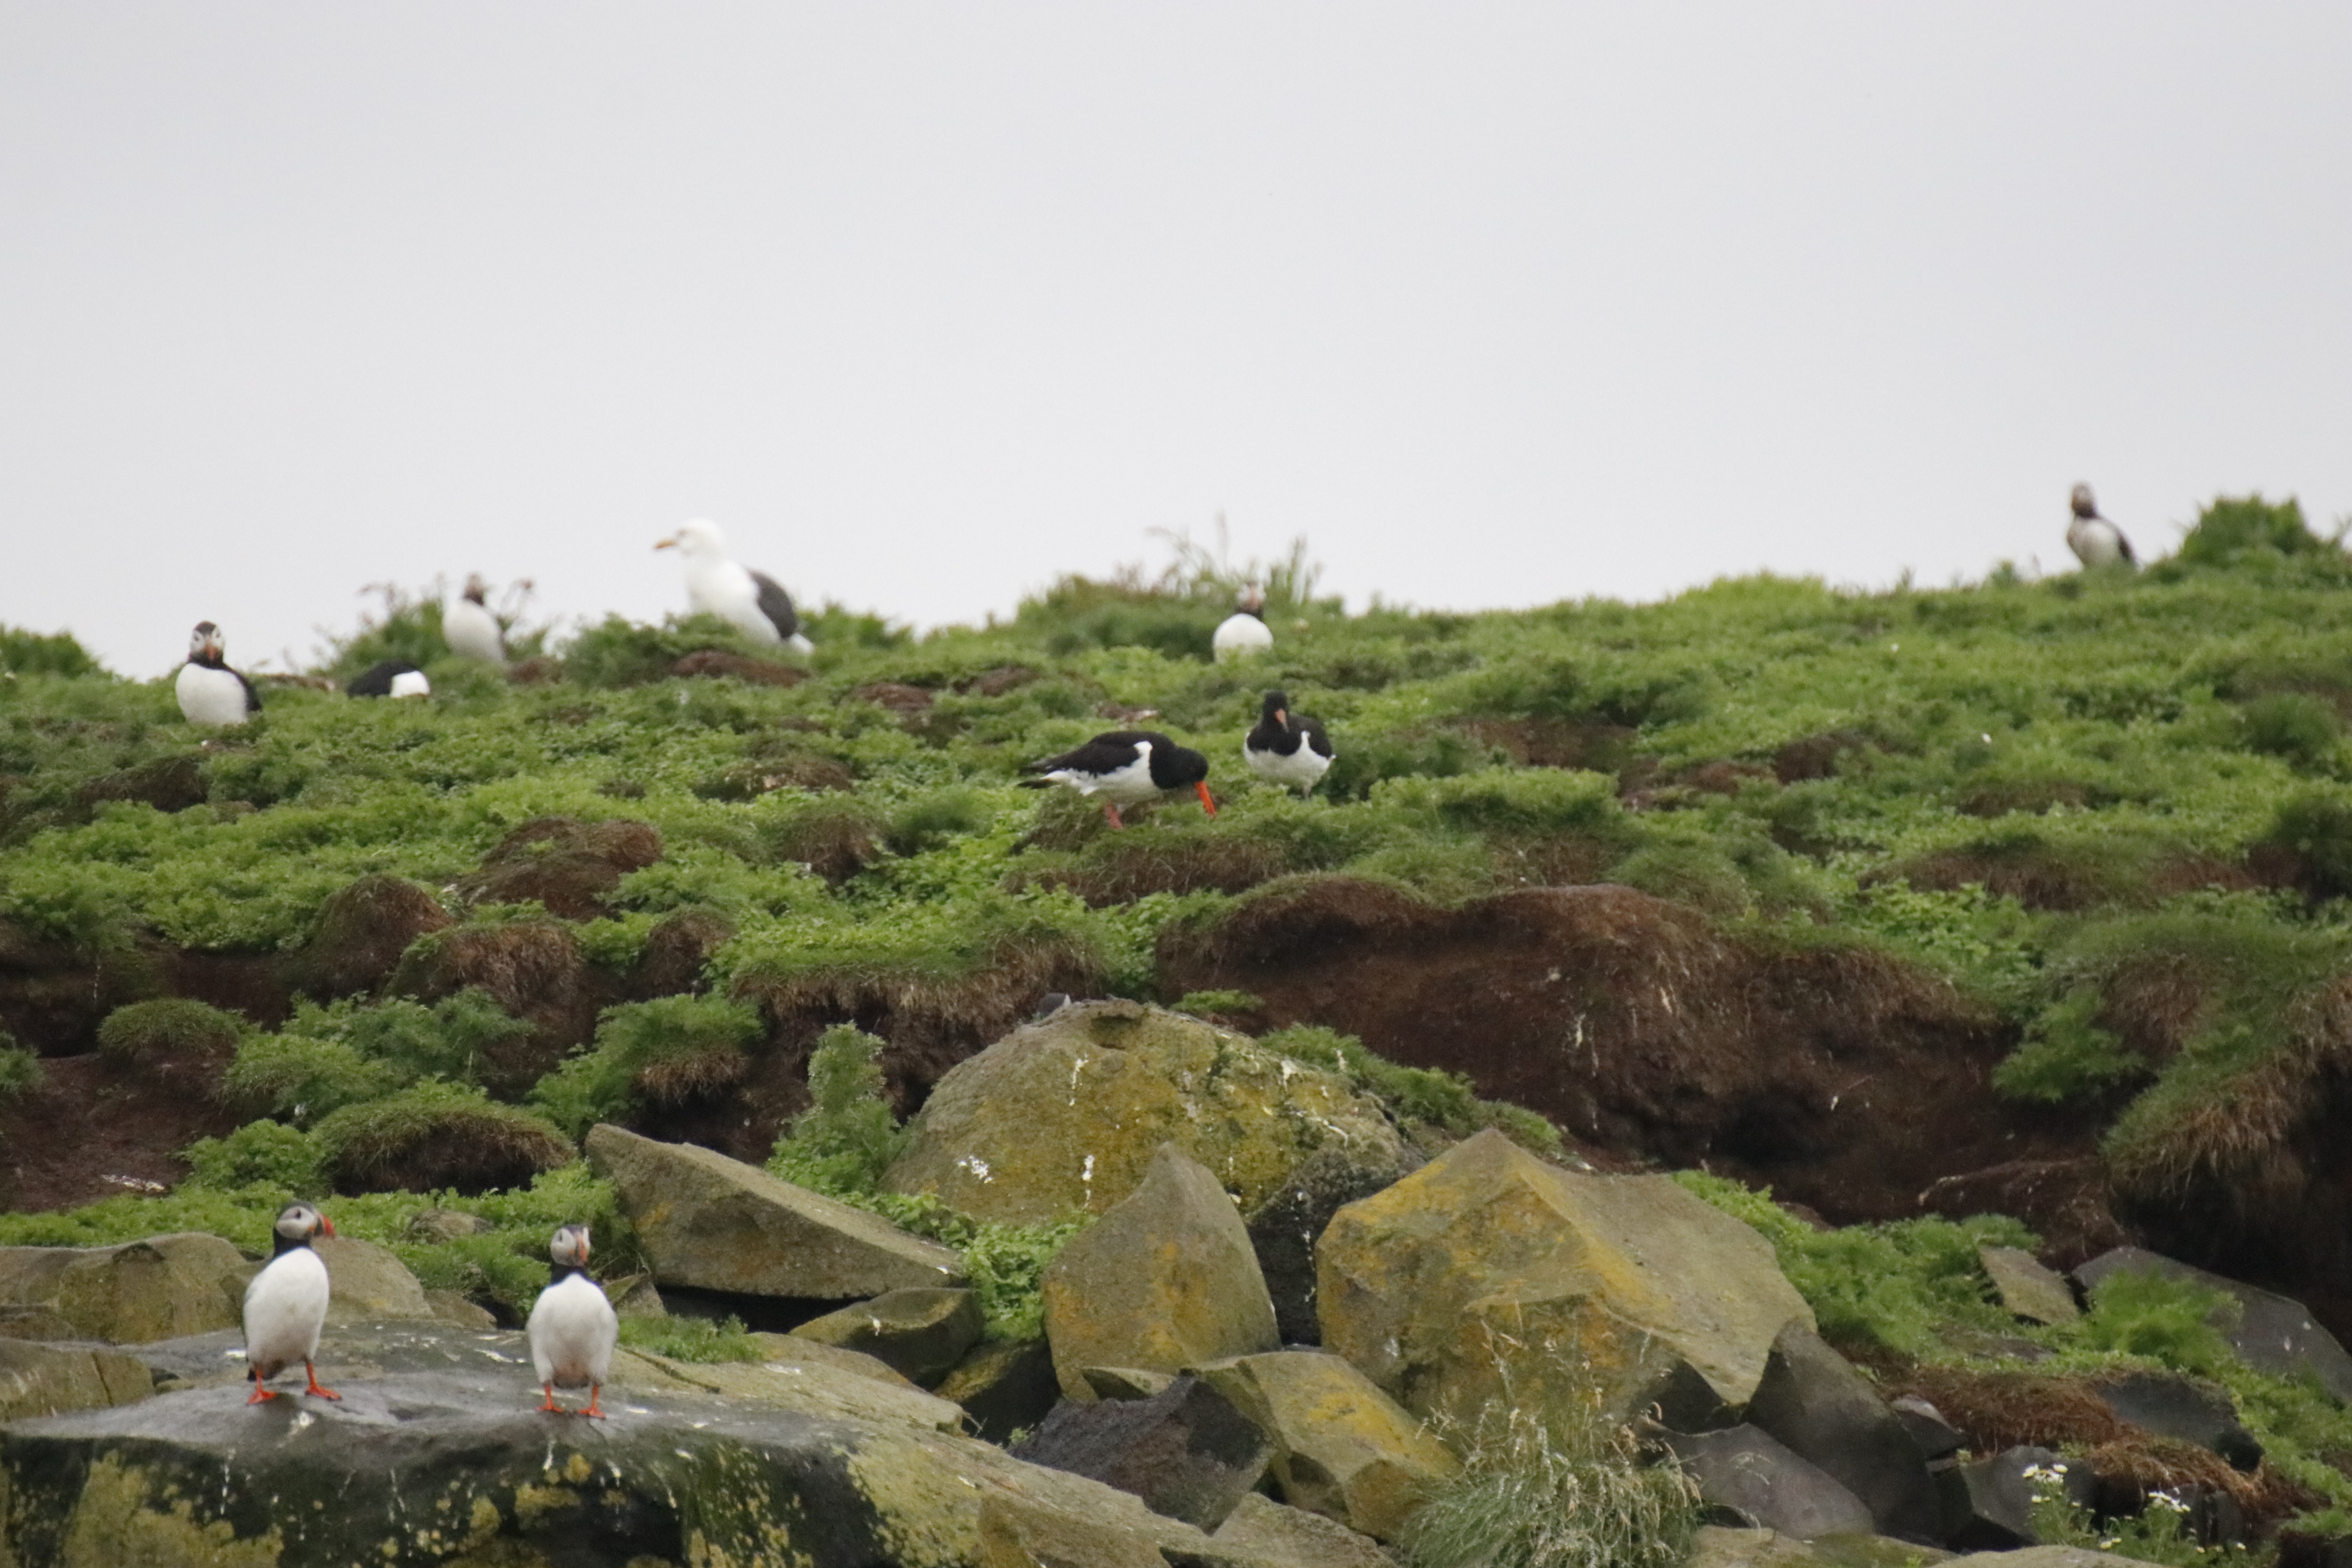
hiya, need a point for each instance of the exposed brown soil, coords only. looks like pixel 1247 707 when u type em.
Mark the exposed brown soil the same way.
pixel 897 696
pixel 568 866
pixel 835 842
pixel 997 682
pixel 1815 756
pixel 2048 876
pixel 534 970
pixel 360 933
pixel 1542 742
pixel 469 1153
pixel 167 783
pixel 1121 866
pixel 2066 1201
pixel 675 953
pixel 1639 1027
pixel 742 667
pixel 92 1119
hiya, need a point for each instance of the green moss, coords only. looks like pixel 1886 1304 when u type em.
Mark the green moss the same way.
pixel 170 1028
pixel 20 1069
pixel 692 1339
pixel 666 1050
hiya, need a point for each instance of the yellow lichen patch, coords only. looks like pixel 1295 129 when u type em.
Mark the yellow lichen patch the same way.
pixel 115 1524
pixel 532 1502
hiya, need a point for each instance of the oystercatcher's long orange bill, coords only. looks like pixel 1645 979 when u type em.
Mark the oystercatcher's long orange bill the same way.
pixel 1206 803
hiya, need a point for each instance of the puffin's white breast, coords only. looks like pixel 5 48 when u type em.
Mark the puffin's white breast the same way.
pixel 573 1329
pixel 209 695
pixel 473 631
pixel 284 1307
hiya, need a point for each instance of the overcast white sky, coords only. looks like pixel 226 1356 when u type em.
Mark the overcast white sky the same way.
pixel 927 303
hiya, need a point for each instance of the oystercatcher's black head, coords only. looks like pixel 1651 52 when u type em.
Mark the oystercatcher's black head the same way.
pixel 2084 505
pixel 1276 711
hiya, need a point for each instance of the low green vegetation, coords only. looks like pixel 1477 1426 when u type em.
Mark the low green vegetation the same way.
pixel 691 1339
pixel 1528 1497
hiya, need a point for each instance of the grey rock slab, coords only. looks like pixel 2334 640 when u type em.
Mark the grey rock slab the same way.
pixel 923 1330
pixel 156 1287
pixel 1186 1451
pixel 2275 1333
pixel 716 1224
pixel 1298 1538
pixel 1126 1381
pixel 2171 1406
pixel 1988 1504
pixel 367 1283
pixel 2027 1287
pixel 1004 1386
pixel 45 1380
pixel 1719 1546
pixel 1813 1400
pixel 1754 1475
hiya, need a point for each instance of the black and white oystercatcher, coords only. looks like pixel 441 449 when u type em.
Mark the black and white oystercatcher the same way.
pixel 210 692
pixel 1288 748
pixel 389 677
pixel 573 1327
pixel 2094 540
pixel 718 585
pixel 1127 767
pixel 471 630
pixel 286 1303
pixel 1243 632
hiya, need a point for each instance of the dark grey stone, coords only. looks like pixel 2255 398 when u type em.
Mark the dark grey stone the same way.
pixel 1186 1451
pixel 1684 1400
pixel 1752 1475
pixel 2171 1406
pixel 919 1333
pixel 2273 1333
pixel 1005 1386
pixel 1990 1504
pixel 1284 1228
pixel 1812 1400
pixel 1936 1437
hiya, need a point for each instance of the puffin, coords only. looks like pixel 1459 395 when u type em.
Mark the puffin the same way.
pixel 1126 767
pixel 1288 748
pixel 718 585
pixel 470 628
pixel 210 692
pixel 389 677
pixel 1243 632
pixel 573 1327
pixel 286 1304
pixel 2094 540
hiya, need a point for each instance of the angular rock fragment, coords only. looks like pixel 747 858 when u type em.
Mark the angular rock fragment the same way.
pixel 1753 1475
pixel 1163 1282
pixel 367 1281
pixel 922 1331
pixel 45 1380
pixel 1004 1386
pixel 2027 1286
pixel 154 1288
pixel 1186 1451
pixel 1126 1381
pixel 1297 1538
pixel 2168 1405
pixel 1988 1505
pixel 2273 1333
pixel 716 1224
pixel 1342 1449
pixel 1284 1228
pixel 1813 1399
pixel 1488 1278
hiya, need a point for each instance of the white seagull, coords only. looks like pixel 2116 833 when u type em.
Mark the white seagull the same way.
pixel 210 692
pixel 718 585
pixel 1244 633
pixel 286 1303
pixel 472 631
pixel 2094 540
pixel 573 1327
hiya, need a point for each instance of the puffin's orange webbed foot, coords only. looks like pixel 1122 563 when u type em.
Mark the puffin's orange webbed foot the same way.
pixel 313 1372
pixel 594 1390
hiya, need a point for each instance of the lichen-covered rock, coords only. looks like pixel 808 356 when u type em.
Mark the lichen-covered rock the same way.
pixel 1487 1277
pixel 367 1281
pixel 1342 1449
pixel 1718 1546
pixel 716 1224
pixel 921 1332
pixel 43 1380
pixel 1163 1282
pixel 1298 1538
pixel 1060 1117
pixel 135 1291
pixel 1186 1451
pixel 1004 1386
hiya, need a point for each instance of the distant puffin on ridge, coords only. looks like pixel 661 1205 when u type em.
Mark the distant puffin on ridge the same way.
pixel 2094 540
pixel 470 628
pixel 718 585
pixel 1126 767
pixel 1243 632
pixel 210 692
pixel 1288 748
pixel 389 677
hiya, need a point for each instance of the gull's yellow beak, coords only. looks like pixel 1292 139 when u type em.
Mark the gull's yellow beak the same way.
pixel 666 543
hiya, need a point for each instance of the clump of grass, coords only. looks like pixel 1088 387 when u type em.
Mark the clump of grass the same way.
pixel 346 1052
pixel 2065 1055
pixel 847 1137
pixel 2176 1321
pixel 20 1069
pixel 2315 829
pixel 1415 1096
pixel 170 1028
pixel 666 1051
pixel 2296 727
pixel 24 652
pixel 260 1153
pixel 1529 1498
pixel 2232 527
pixel 704 1339
pixel 437 1135
pixel 617 652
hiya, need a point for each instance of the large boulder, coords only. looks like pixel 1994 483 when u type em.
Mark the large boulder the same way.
pixel 1004 1386
pixel 437 1456
pixel 715 1223
pixel 1061 1117
pixel 43 1379
pixel 367 1281
pixel 1813 1400
pixel 2275 1333
pixel 1293 1536
pixel 1163 1282
pixel 1490 1280
pixel 1186 1451
pixel 1752 1474
pixel 1342 1449
pixel 155 1289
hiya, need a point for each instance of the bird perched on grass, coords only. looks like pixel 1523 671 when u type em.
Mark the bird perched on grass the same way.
pixel 1243 632
pixel 286 1303
pixel 389 677
pixel 573 1327
pixel 210 692
pixel 2094 540
pixel 1288 748
pixel 718 585
pixel 471 630
pixel 1127 767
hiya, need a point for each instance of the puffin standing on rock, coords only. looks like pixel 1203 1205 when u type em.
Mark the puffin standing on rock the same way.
pixel 2094 540
pixel 470 628
pixel 1288 748
pixel 210 692
pixel 1126 767
pixel 573 1327
pixel 717 585
pixel 1243 632
pixel 286 1303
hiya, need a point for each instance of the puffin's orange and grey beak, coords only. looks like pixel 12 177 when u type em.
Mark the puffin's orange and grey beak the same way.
pixel 326 1226
pixel 1207 805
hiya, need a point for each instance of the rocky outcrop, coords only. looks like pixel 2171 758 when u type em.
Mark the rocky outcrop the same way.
pixel 1061 1117
pixel 1813 1400
pixel 716 1224
pixel 1186 1451
pixel 1342 1449
pixel 161 1287
pixel 2273 1332
pixel 922 1331
pixel 1163 1282
pixel 1284 1228
pixel 43 1380
pixel 1488 1278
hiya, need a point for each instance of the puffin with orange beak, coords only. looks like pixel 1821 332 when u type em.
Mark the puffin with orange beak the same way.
pixel 286 1305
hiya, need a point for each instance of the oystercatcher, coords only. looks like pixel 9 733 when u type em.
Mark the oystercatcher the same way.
pixel 286 1303
pixel 1288 748
pixel 571 1326
pixel 389 677
pixel 1127 767
pixel 1243 632
pixel 2094 540
pixel 210 692
pixel 471 629
pixel 718 585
